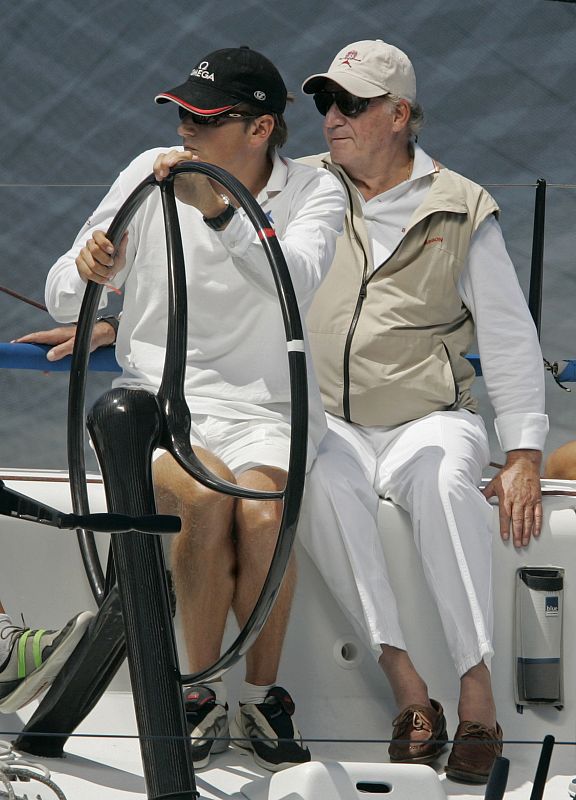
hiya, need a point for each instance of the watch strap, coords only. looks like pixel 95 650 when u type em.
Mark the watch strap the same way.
pixel 217 223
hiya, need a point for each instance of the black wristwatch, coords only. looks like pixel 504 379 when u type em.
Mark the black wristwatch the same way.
pixel 217 223
pixel 113 321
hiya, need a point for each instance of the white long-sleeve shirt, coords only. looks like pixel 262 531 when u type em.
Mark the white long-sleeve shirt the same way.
pixel 236 341
pixel 507 340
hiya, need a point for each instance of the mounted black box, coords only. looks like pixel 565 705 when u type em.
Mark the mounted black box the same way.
pixel 538 635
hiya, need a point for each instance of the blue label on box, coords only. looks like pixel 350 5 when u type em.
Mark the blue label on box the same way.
pixel 552 606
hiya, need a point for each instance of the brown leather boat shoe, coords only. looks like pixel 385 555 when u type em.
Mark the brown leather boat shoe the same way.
pixel 475 749
pixel 419 734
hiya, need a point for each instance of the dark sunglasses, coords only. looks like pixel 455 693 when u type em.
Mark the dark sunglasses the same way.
pixel 348 104
pixel 213 119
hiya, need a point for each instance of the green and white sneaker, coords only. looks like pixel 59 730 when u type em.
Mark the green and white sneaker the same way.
pixel 268 730
pixel 35 659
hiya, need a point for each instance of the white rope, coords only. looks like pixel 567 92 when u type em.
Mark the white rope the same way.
pixel 16 767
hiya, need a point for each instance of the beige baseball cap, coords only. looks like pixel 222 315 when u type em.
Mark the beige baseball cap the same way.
pixel 370 68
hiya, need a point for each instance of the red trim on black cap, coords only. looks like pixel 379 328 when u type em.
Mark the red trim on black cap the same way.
pixel 205 112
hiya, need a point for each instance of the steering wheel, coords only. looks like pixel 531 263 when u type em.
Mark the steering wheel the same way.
pixel 172 402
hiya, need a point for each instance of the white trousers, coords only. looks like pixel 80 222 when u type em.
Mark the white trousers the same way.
pixel 431 468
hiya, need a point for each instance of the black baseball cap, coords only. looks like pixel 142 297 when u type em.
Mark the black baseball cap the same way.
pixel 224 78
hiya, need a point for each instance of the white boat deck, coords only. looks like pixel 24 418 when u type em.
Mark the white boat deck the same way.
pixel 344 706
pixel 99 766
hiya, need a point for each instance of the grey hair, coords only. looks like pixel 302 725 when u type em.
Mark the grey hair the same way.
pixel 416 115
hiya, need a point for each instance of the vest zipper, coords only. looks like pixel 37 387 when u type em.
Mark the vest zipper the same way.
pixel 456 390
pixel 359 302
pixel 356 316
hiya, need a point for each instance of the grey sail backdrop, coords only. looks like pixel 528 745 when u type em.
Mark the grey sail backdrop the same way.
pixel 496 80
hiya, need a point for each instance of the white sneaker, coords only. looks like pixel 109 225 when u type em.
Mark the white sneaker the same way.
pixel 267 729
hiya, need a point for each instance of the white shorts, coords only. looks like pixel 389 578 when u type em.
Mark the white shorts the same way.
pixel 243 443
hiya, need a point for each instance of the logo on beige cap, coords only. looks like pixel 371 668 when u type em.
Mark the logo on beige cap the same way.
pixel 351 55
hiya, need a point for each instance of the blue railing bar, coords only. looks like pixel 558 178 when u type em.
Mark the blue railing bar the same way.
pixel 475 361
pixel 568 373
pixel 33 356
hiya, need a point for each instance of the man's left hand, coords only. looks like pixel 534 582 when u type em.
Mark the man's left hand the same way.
pixel 517 487
pixel 191 188
pixel 61 339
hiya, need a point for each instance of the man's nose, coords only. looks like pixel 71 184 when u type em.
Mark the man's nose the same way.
pixel 334 116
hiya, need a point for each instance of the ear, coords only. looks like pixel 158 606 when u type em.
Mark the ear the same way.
pixel 401 116
pixel 261 129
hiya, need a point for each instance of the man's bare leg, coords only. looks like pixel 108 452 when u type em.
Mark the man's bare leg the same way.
pixel 476 699
pixel 419 730
pixel 256 524
pixel 406 684
pixel 561 464
pixel 203 556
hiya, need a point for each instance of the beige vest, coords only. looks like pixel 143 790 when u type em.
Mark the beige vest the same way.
pixel 389 344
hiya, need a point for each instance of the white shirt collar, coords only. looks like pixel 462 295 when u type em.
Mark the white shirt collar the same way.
pixel 423 164
pixel 277 180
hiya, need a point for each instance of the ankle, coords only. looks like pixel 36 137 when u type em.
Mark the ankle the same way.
pixel 406 684
pixel 483 712
pixel 476 702
pixel 412 697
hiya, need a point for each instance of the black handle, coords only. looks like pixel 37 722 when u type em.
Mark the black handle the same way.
pixel 121 523
pixel 20 506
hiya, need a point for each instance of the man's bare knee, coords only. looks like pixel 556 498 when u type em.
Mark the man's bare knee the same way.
pixel 255 517
pixel 561 464
pixel 178 492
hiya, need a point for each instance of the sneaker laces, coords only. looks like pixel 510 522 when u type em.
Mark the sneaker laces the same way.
pixel 11 631
pixel 14 766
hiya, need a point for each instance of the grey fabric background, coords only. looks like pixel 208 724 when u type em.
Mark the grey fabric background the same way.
pixel 496 80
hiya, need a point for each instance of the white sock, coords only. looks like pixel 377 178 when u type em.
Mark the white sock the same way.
pixel 250 693
pixel 5 622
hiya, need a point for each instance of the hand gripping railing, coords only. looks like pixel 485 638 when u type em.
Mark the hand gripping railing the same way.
pixel 126 425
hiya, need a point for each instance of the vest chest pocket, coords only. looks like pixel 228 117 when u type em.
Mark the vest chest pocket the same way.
pixel 418 283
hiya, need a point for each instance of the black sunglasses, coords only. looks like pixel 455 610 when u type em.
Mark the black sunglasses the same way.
pixel 213 119
pixel 348 104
